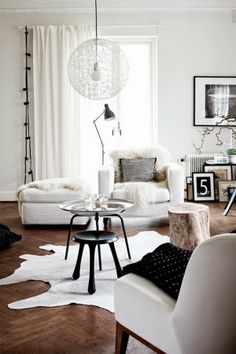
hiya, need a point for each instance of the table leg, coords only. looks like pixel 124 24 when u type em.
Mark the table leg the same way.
pixel 96 217
pixel 124 232
pixel 69 235
pixel 91 285
pixel 117 263
pixel 76 273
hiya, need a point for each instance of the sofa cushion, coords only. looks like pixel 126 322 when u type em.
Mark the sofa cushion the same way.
pixel 35 195
pixel 52 190
pixel 137 170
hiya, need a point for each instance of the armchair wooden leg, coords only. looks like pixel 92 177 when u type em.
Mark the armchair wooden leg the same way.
pixel 122 338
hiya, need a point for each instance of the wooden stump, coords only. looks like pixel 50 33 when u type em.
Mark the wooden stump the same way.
pixel 189 224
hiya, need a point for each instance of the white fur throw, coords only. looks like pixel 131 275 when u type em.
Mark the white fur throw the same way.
pixel 141 193
pixel 57 183
pixel 163 157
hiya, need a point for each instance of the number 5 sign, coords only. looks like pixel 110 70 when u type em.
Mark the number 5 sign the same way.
pixel 203 186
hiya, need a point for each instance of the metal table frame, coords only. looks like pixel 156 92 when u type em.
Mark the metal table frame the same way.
pixel 115 207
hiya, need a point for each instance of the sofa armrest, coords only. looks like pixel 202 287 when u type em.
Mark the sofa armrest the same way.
pixel 106 180
pixel 175 180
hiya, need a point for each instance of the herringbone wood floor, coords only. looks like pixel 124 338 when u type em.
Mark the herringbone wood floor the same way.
pixel 72 328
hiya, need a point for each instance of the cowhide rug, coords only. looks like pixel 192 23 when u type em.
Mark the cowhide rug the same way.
pixel 63 290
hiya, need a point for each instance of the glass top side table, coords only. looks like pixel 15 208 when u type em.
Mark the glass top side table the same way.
pixel 114 208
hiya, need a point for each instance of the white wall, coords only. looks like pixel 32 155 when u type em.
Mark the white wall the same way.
pixel 189 43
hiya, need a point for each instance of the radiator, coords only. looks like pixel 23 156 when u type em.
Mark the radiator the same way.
pixel 195 162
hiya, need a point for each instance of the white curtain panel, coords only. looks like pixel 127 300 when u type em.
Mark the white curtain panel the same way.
pixel 58 108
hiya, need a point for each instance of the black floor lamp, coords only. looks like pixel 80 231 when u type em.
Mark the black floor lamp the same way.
pixel 108 115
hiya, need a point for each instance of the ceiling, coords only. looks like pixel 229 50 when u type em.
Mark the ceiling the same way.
pixel 118 4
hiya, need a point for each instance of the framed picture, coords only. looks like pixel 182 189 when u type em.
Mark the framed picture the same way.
pixel 223 189
pixel 230 191
pixel 214 101
pixel 203 186
pixel 189 188
pixel 221 172
pixel 189 191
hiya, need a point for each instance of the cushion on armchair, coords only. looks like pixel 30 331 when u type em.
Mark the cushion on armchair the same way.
pixel 137 170
pixel 161 154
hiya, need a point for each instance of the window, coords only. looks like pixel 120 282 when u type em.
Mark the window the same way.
pixel 134 107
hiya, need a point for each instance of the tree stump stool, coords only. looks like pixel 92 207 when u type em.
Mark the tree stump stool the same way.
pixel 189 224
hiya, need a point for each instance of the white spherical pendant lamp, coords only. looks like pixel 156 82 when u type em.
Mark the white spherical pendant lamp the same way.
pixel 98 68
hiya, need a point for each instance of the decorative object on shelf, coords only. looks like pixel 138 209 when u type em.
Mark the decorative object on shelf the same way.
pixel 108 115
pixel 28 171
pixel 208 130
pixel 220 158
pixel 232 154
pixel 203 186
pixel 98 68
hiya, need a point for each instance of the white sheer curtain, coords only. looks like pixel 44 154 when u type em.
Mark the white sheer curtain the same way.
pixel 58 108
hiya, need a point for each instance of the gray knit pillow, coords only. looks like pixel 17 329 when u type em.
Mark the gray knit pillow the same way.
pixel 137 170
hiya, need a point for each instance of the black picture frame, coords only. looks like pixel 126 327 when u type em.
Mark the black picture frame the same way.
pixel 203 186
pixel 214 101
pixel 221 172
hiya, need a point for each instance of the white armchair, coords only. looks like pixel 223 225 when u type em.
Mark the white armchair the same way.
pixel 151 195
pixel 201 321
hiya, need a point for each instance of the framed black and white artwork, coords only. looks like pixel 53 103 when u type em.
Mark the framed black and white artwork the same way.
pixel 214 101
pixel 224 186
pixel 203 186
pixel 221 173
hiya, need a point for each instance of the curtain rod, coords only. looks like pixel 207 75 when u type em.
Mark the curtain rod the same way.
pixel 106 26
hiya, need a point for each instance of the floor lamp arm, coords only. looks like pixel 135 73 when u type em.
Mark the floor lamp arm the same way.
pixel 100 138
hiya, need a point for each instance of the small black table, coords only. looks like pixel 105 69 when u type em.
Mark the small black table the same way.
pixel 114 209
pixel 92 239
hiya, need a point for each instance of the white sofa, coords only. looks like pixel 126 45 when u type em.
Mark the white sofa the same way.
pixel 150 198
pixel 38 201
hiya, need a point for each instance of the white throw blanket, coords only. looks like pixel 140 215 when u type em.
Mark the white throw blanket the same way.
pixel 141 193
pixel 57 183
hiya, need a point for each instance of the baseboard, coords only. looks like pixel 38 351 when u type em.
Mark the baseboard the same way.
pixel 7 196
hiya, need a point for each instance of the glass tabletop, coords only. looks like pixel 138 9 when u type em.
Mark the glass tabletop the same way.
pixel 78 207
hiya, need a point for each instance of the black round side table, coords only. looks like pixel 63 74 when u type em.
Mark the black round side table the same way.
pixel 92 239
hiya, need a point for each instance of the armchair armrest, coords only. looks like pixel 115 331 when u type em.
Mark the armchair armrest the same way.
pixel 175 180
pixel 106 180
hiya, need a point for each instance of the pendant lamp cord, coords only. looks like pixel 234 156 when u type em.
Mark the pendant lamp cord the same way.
pixel 96 30
pixel 96 20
